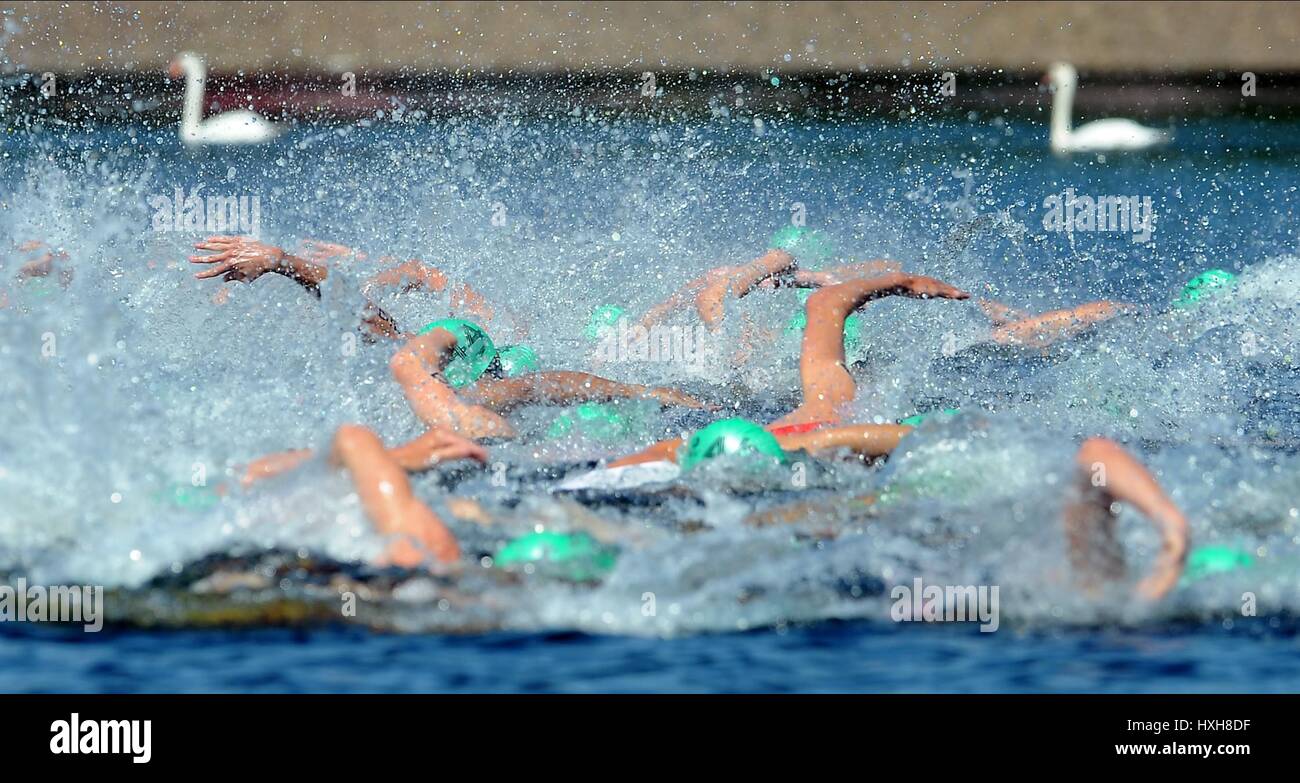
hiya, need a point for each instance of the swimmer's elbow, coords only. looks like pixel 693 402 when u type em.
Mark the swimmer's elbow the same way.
pixel 1097 449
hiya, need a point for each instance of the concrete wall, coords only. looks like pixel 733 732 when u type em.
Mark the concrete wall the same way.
pixel 336 36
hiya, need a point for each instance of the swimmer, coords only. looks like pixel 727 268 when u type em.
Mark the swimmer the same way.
pixel 379 475
pixel 37 264
pixel 244 259
pixel 465 353
pixel 419 536
pixel 827 385
pixel 1017 327
pixel 443 371
pixel 1088 519
pixel 774 269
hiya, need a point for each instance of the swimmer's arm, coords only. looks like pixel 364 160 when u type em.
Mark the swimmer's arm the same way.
pixel 806 278
pixel 1117 476
pixel 433 447
pixel 245 259
pixel 563 387
pixel 436 446
pixel 273 465
pixel 868 440
pixel 386 495
pixel 826 384
pixel 664 450
pixel 685 296
pixel 1045 329
pixel 709 302
pixel 417 366
pixel 466 302
pixel 410 276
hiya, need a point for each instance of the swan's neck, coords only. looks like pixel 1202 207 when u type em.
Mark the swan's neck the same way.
pixel 192 112
pixel 1062 107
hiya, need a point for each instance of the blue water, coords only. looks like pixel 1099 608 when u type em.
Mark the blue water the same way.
pixel 153 378
pixel 832 657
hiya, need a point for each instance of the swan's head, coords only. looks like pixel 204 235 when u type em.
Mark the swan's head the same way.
pixel 184 64
pixel 1061 74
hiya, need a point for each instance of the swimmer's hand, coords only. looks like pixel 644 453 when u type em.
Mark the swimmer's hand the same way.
pixel 669 396
pixel 238 258
pixel 245 259
pixel 437 445
pixel 922 287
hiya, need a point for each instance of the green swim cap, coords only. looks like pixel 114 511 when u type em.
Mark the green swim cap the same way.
pixel 730 436
pixel 808 245
pixel 602 318
pixel 1208 560
pixel 187 496
pixel 573 556
pixel 472 355
pixel 39 287
pixel 593 419
pixel 517 360
pixel 917 419
pixel 852 325
pixel 1207 284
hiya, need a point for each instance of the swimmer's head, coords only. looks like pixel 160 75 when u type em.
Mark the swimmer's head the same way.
pixel 592 419
pixel 575 557
pixel 808 245
pixel 516 360
pixel 1206 561
pixel 472 355
pixel 730 436
pixel 1206 285
pixel 602 318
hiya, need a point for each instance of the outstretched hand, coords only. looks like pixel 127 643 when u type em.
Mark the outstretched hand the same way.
pixel 923 287
pixel 237 258
pixel 437 445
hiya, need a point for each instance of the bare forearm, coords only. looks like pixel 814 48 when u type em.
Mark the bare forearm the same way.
pixel 844 298
pixel 1057 324
pixel 770 264
pixel 869 440
pixel 302 272
pixel 1118 476
pixel 560 387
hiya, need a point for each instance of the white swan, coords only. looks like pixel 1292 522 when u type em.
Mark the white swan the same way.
pixel 1099 136
pixel 232 127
